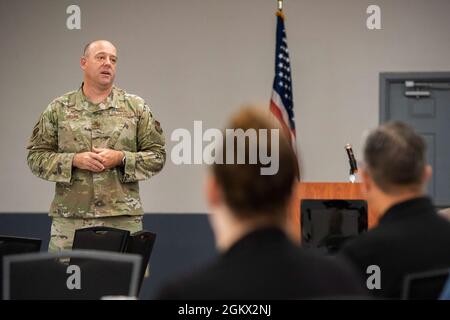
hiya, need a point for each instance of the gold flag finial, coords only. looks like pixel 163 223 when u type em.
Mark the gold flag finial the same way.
pixel 280 5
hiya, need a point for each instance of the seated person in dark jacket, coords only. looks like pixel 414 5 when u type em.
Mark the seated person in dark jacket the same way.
pixel 249 218
pixel 410 237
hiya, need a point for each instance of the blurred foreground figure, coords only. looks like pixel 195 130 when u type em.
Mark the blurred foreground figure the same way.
pixel 248 216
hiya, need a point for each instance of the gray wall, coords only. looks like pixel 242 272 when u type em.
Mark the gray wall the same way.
pixel 199 60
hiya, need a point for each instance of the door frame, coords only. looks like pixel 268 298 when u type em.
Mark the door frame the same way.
pixel 387 78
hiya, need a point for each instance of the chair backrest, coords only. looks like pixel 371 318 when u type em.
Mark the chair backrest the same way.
pixel 142 243
pixel 445 294
pixel 426 285
pixel 51 276
pixel 16 245
pixel 101 238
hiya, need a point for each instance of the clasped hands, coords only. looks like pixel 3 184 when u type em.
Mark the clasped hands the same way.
pixel 98 160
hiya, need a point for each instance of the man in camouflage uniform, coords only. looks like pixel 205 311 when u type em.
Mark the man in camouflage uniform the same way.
pixel 96 143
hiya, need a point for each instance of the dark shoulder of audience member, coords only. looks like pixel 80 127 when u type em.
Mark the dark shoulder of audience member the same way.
pixel 264 263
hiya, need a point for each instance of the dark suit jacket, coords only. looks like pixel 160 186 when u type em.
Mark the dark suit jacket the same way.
pixel 411 237
pixel 265 264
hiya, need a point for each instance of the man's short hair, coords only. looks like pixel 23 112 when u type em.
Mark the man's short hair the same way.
pixel 247 192
pixel 86 48
pixel 395 156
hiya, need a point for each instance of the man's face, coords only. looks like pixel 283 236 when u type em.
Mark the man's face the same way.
pixel 99 64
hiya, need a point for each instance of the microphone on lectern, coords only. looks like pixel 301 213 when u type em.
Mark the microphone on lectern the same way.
pixel 352 162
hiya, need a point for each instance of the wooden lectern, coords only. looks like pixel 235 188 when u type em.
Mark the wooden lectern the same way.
pixel 324 190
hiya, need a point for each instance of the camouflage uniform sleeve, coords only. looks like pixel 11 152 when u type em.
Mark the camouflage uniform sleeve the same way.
pixel 151 154
pixel 43 157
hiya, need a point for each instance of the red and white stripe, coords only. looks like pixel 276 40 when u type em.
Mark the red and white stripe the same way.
pixel 279 111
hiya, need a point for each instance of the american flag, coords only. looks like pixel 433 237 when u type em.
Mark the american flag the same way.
pixel 282 103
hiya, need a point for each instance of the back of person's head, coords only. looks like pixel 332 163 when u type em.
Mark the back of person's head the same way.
pixel 395 159
pixel 248 190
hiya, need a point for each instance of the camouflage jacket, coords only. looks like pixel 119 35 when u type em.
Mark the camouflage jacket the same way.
pixel 71 124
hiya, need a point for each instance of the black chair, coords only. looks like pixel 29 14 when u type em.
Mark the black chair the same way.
pixel 425 285
pixel 45 276
pixel 116 240
pixel 16 245
pixel 101 238
pixel 142 243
